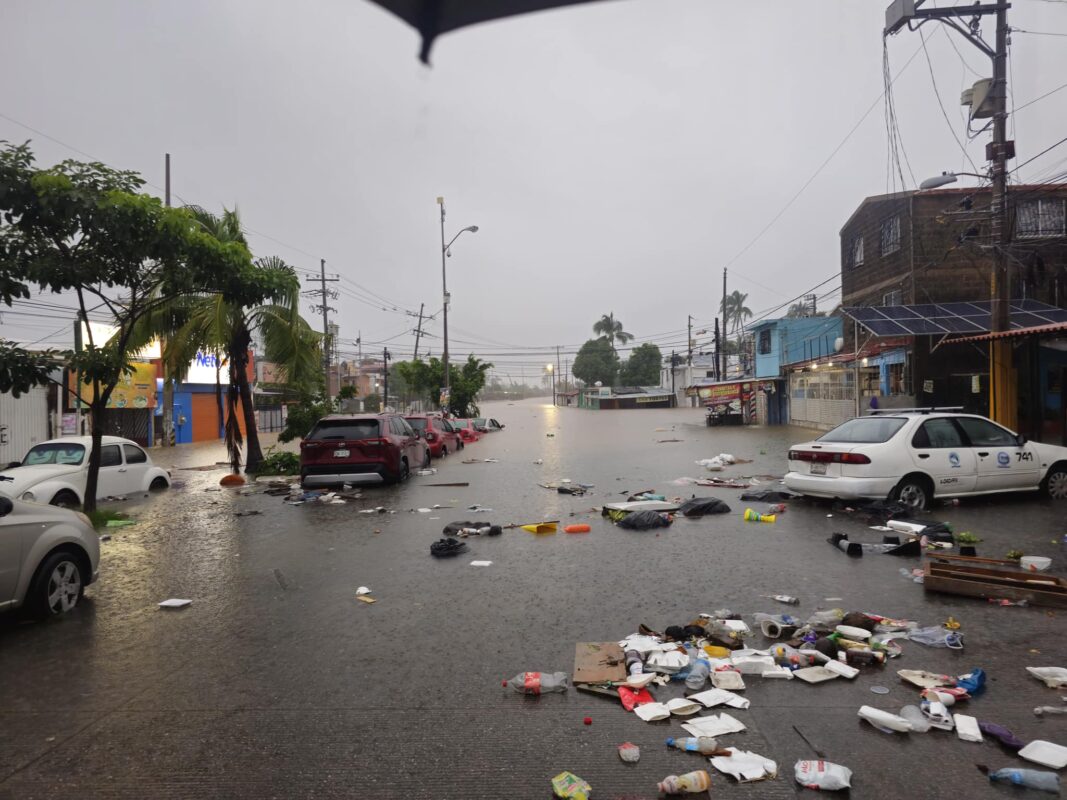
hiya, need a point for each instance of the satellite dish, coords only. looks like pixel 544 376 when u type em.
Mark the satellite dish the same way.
pixel 839 342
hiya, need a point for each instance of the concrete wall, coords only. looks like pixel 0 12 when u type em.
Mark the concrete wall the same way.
pixel 23 423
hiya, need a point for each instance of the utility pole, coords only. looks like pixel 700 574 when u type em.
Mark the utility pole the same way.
pixel 418 331
pixel 168 386
pixel 722 350
pixel 689 341
pixel 1003 391
pixel 557 374
pixel 674 397
pixel 385 369
pixel 718 352
pixel 325 308
pixel 444 291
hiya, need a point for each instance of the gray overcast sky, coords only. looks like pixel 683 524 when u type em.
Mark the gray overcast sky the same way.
pixel 615 155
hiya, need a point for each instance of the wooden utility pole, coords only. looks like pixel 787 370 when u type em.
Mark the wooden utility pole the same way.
pixel 557 375
pixel 689 340
pixel 385 370
pixel 722 341
pixel 418 331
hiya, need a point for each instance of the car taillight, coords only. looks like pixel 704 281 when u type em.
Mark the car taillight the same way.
pixel 431 436
pixel 829 458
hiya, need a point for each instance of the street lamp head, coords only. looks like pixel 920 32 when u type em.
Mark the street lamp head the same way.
pixel 940 180
pixel 472 228
pixel 548 367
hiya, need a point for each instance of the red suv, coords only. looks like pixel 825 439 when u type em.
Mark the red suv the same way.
pixel 439 434
pixel 363 448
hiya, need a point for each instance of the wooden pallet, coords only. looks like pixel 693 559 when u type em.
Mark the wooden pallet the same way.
pixel 992 578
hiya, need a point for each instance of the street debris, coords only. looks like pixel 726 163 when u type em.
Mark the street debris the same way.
pixel 362 590
pixel 447 547
pixel 1030 778
pixel 884 721
pixel 690 783
pixel 466 529
pixel 538 683
pixel 540 527
pixel 175 602
pixel 1043 710
pixel 769 496
pixel 644 520
pixel 629 752
pixel 701 506
pixel 579 528
pixel 754 516
pixel 367 600
pixel 569 786
pixel 745 766
pixel 481 563
pixel 426 471
pixel 822 775
pixel 457 483
pixel 1047 754
pixel 890 545
pixel 1052 677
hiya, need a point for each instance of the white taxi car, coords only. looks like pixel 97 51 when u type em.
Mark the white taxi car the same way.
pixel 914 456
pixel 54 472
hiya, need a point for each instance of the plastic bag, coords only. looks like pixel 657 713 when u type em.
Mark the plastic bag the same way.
pixel 699 506
pixel 644 520
pixel 822 775
pixel 936 636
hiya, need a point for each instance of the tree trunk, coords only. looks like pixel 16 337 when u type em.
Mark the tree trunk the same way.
pixel 218 395
pixel 254 455
pixel 92 479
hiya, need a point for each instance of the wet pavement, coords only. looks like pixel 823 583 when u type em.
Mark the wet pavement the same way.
pixel 276 682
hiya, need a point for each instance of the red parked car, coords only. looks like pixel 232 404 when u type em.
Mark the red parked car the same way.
pixel 465 428
pixel 360 448
pixel 439 434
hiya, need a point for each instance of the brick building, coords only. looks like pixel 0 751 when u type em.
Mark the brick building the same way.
pixel 915 248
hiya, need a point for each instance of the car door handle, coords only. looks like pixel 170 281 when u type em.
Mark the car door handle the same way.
pixel 122 469
pixel 924 455
pixel 983 455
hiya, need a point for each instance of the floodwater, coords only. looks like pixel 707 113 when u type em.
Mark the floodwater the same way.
pixel 276 682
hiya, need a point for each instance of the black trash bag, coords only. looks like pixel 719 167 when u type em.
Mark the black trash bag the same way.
pixel 768 496
pixel 447 547
pixel 577 491
pixel 644 520
pixel 699 506
pixel 484 528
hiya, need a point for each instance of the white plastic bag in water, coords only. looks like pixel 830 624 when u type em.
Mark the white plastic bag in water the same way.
pixel 823 775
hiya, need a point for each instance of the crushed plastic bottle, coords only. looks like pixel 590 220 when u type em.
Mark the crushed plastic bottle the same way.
pixel 538 683
pixel 1031 778
pixel 698 675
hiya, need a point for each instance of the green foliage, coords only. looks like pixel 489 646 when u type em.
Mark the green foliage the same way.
pixel 302 417
pixel 596 361
pixel 347 392
pixel 642 368
pixel 281 462
pixel 427 377
pixel 21 370
pixel 372 403
pixel 735 310
pixel 611 329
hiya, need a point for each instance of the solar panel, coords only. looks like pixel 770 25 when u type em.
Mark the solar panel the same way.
pixel 933 319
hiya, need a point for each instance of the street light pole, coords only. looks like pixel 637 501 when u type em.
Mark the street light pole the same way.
pixel 444 285
pixel 552 375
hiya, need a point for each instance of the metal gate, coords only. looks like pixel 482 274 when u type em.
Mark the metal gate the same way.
pixel 23 423
pixel 130 423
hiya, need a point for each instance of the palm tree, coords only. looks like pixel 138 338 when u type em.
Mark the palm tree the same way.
pixel 611 329
pixel 735 311
pixel 798 310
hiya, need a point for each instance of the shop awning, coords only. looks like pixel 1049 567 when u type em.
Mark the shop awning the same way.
pixel 939 319
pixel 1015 333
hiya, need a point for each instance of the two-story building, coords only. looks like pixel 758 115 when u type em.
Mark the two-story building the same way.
pixel 911 253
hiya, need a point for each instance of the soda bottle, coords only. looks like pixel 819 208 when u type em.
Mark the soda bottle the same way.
pixel 538 683
pixel 705 745
pixel 859 657
pixel 1032 778
pixel 690 783
pixel 698 675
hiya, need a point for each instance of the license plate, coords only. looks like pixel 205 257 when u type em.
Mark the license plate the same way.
pixel 345 454
pixel 818 469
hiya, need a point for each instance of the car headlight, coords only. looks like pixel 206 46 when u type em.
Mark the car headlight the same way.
pixel 28 496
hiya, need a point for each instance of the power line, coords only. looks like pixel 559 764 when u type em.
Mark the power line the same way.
pixel 940 102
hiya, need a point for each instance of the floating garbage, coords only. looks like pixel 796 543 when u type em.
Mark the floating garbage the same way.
pixel 822 775
pixel 569 786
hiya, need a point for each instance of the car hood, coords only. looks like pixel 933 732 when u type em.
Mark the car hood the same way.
pixel 1050 453
pixel 23 478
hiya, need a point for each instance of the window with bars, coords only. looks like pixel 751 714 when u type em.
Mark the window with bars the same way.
pixel 890 235
pixel 893 298
pixel 764 341
pixel 1040 218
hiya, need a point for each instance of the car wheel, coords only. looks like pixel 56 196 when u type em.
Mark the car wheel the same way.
pixel 404 473
pixel 59 585
pixel 444 451
pixel 65 499
pixel 426 460
pixel 158 485
pixel 913 492
pixel 1055 483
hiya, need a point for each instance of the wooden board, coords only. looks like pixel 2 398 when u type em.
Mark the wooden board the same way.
pixel 599 662
pixel 975 578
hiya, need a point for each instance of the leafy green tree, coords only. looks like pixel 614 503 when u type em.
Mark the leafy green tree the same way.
pixel 85 228
pixel 301 417
pixel 427 378
pixel 21 370
pixel 642 368
pixel 798 310
pixel 596 361
pixel 347 392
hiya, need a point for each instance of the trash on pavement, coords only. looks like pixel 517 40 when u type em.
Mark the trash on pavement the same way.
pixel 365 599
pixel 1052 677
pixel 580 528
pixel 466 528
pixel 599 662
pixel 447 547
pixel 1048 754
pixel 632 698
pixel 541 527
pixel 718 697
pixel 1030 778
pixel 690 783
pixel 644 520
pixel 768 496
pixel 1043 710
pixel 745 765
pixel 429 471
pixel 652 712
pixel 457 483
pixel 967 728
pixel 815 674
pixel 714 725
pixel 937 636
pixel 175 602
pixel 728 679
pixel 481 563
pixel 629 752
pixel 683 707
pixel 538 683
pixel 754 516
pixel 362 590
pixel 924 679
pixel 569 786
pixel 705 745
pixel 822 775
pixel 1002 735
pixel 701 506
pixel 992 578
pixel 1035 563
pixel 884 720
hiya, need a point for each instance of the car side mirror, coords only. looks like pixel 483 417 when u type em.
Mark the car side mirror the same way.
pixel 1020 440
pixel 5 506
pixel 13 464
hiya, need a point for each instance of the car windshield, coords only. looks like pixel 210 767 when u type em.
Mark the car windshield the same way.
pixel 459 423
pixel 344 429
pixel 865 430
pixel 418 423
pixel 55 453
pixel 480 422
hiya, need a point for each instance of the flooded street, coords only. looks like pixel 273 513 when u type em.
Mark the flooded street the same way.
pixel 276 682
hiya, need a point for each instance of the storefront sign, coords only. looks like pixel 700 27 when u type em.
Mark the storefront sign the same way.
pixel 136 389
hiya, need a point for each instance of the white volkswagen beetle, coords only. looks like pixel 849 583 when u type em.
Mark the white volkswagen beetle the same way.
pixel 55 471
pixel 914 456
